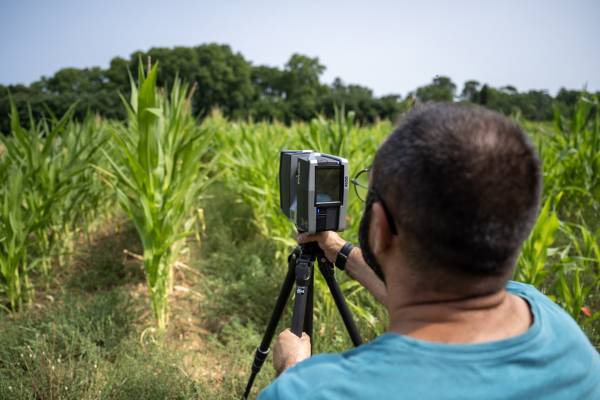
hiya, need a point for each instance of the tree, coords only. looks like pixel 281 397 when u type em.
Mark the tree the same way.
pixel 536 105
pixel 351 98
pixel 223 79
pixel 269 94
pixel 470 91
pixel 302 86
pixel 89 88
pixel 222 76
pixel 24 98
pixel 118 76
pixel 509 89
pixel 390 106
pixel 484 95
pixel 566 99
pixel 440 89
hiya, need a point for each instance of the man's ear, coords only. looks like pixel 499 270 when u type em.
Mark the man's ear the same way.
pixel 380 233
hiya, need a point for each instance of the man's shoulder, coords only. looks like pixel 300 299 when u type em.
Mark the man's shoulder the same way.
pixel 523 288
pixel 324 376
pixel 542 304
pixel 307 377
pixel 557 334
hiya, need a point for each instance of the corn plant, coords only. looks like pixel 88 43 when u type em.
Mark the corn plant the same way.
pixel 329 136
pixel 568 269
pixel 49 168
pixel 87 198
pixel 252 157
pixel 159 172
pixel 572 293
pixel 579 277
pixel 15 225
pixel 53 155
pixel 532 265
pixel 572 156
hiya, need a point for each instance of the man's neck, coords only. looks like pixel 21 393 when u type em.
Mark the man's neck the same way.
pixel 455 319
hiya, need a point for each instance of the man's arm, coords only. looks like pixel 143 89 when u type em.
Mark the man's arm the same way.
pixel 331 243
pixel 360 271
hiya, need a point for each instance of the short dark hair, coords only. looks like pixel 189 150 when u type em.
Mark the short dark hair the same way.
pixel 463 183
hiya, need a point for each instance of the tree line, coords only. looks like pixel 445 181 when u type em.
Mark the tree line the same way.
pixel 226 80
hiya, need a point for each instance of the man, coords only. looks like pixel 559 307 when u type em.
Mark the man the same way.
pixel 453 193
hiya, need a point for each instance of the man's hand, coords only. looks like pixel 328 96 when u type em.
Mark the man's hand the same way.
pixel 289 350
pixel 329 241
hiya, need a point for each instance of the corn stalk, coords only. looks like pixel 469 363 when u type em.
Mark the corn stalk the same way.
pixel 15 225
pixel 45 162
pixel 159 171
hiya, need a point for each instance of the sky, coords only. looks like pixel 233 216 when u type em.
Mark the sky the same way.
pixel 389 46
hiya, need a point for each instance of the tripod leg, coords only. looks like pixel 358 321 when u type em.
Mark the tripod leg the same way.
pixel 304 268
pixel 308 317
pixel 263 350
pixel 327 270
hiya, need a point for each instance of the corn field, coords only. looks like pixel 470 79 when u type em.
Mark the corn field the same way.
pixel 59 177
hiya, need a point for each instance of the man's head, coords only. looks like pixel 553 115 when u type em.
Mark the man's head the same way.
pixel 461 185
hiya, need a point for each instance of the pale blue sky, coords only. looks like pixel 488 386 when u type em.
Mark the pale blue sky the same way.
pixel 390 46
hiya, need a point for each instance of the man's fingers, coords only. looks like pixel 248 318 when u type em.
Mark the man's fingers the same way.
pixel 306 238
pixel 288 333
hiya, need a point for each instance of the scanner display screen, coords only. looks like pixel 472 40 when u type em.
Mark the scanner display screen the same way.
pixel 327 184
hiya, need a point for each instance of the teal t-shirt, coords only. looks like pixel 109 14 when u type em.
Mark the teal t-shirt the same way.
pixel 552 360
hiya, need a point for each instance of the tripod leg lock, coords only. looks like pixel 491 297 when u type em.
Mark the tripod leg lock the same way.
pixel 303 270
pixel 259 359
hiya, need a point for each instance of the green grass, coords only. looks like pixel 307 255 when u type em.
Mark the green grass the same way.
pixel 92 341
pixel 88 348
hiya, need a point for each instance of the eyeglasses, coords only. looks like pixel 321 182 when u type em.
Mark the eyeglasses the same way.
pixel 361 184
pixel 362 189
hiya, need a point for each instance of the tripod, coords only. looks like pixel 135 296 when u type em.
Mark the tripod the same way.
pixel 300 270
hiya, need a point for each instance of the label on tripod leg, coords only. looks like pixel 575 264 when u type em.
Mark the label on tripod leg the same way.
pixel 300 290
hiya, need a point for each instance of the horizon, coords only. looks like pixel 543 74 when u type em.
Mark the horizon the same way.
pixel 553 41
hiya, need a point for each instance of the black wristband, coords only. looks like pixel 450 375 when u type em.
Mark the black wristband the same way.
pixel 343 255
